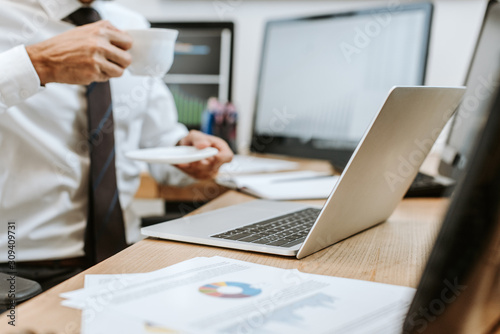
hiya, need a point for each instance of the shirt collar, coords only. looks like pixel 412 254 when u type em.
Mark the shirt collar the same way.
pixel 59 9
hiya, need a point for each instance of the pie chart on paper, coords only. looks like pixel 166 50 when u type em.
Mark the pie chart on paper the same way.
pixel 229 290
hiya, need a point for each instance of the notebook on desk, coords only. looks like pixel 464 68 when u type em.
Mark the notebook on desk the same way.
pixel 376 178
pixel 284 186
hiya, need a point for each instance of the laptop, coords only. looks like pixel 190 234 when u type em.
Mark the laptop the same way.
pixel 374 181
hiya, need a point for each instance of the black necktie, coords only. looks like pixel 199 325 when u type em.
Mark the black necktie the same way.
pixel 105 233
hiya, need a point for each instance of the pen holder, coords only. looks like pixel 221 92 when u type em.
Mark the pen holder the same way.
pixel 220 119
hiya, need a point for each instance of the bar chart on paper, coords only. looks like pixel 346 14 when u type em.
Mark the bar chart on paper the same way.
pixel 293 315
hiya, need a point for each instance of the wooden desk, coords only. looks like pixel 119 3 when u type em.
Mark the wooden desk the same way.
pixel 394 252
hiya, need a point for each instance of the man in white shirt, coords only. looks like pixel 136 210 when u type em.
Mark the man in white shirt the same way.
pixel 44 160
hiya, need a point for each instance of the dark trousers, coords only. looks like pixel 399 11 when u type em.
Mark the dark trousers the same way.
pixel 47 273
pixel 45 276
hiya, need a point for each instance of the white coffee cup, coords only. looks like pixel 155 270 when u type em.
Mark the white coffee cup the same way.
pixel 152 51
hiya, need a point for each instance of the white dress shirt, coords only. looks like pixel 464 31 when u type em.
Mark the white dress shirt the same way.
pixel 44 161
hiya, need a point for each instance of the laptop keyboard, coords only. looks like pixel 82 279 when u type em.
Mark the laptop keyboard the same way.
pixel 283 231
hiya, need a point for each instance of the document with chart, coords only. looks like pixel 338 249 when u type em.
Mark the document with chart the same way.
pixel 221 295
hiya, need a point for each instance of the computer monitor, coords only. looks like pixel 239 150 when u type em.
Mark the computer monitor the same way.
pixel 480 84
pixel 323 78
pixel 460 288
pixel 202 67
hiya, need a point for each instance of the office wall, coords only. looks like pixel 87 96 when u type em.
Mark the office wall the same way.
pixel 455 27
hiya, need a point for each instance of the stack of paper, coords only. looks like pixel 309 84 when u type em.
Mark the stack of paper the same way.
pixel 244 164
pixel 221 295
pixel 282 186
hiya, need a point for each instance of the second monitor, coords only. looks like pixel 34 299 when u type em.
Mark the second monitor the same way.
pixel 323 78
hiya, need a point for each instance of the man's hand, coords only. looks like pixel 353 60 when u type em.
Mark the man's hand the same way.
pixel 207 168
pixel 92 52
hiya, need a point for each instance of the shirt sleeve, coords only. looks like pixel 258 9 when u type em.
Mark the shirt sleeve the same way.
pixel 161 129
pixel 19 79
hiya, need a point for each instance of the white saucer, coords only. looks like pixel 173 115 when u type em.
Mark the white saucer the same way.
pixel 172 155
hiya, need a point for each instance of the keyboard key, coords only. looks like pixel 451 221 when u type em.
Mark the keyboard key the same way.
pixel 294 243
pixel 252 238
pixel 239 236
pixel 278 243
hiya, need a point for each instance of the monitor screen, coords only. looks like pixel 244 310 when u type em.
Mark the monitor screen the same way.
pixel 202 67
pixel 480 83
pixel 324 78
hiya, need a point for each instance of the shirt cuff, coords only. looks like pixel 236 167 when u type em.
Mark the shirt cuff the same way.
pixel 19 79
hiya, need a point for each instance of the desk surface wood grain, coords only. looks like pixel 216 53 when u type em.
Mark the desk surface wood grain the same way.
pixel 393 252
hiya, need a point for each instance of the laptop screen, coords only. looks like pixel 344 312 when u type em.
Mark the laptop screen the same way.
pixel 324 78
pixel 480 84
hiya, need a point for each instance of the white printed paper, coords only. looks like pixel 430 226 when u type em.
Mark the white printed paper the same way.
pixel 221 295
